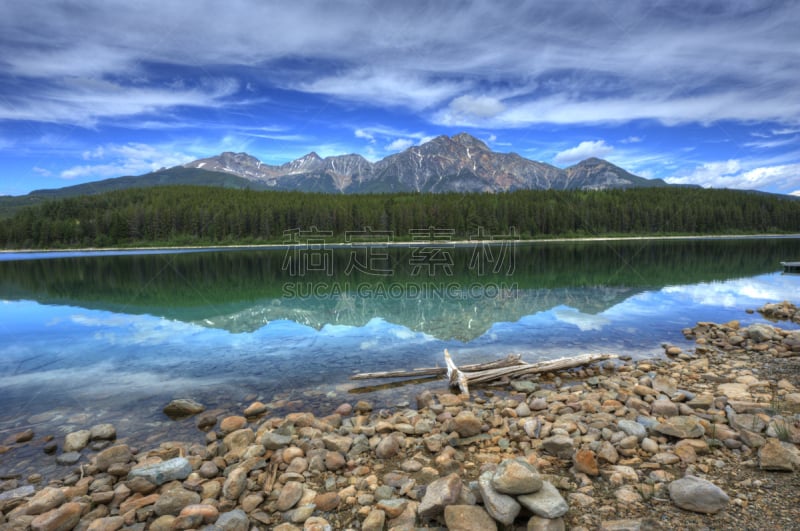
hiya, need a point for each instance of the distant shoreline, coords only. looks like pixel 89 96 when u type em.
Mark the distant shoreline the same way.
pixel 398 244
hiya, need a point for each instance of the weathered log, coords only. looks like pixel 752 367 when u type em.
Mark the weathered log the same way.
pixel 536 368
pixel 508 361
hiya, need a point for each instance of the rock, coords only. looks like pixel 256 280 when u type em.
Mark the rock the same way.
pixel 135 503
pixel 586 461
pixel 524 386
pixel 208 513
pixel 327 501
pixel 76 441
pixel 547 503
pixel 174 500
pixel 46 499
pixel 21 437
pixel 631 427
pixel 235 483
pixel 69 458
pixel 206 421
pixel 300 513
pixel 334 460
pixel 337 443
pixel 374 521
pixel 120 453
pixel 165 522
pixel 516 476
pixel 627 496
pixel 694 494
pixel 255 409
pixel 664 408
pixel 110 523
pixel 140 485
pixel 468 518
pixel 394 507
pixel 665 385
pixel 775 455
pixel 232 423
pixel 440 493
pixel 467 424
pixel 11 498
pixel 537 523
pixel 183 407
pixel 208 470
pixel 735 391
pixel 103 432
pixel 681 427
pixel 64 518
pixel 290 494
pixel 560 446
pixel 747 421
pixel 606 452
pixel 235 520
pixel 273 440
pixel 388 447
pixel 160 473
pixel 238 440
pixel 760 333
pixel 316 523
pixel 501 507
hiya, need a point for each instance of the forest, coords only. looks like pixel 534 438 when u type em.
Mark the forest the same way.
pixel 202 215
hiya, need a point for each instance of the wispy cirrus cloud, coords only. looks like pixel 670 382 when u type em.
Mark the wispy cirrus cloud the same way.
pixel 86 101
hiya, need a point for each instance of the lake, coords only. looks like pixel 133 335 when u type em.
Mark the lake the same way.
pixel 112 337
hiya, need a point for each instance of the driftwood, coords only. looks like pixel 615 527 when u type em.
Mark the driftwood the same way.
pixel 508 361
pixel 510 366
pixel 456 377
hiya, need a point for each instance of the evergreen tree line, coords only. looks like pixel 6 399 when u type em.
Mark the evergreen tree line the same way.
pixel 197 215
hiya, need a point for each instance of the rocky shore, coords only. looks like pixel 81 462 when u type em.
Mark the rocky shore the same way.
pixel 705 438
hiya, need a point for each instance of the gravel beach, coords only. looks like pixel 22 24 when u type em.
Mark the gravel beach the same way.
pixel 702 438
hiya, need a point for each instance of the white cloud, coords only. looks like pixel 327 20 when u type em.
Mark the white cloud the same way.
pixel 84 102
pixel 584 150
pixel 126 159
pixel 376 86
pixel 795 193
pixel 469 109
pixel 739 174
pixel 632 140
pixel 399 144
pixel 44 172
pixel 392 140
pixel 640 62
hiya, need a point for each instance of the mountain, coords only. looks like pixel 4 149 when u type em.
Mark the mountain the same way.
pixel 460 163
pixel 172 176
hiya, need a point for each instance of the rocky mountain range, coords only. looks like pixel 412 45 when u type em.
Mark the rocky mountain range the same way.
pixel 460 163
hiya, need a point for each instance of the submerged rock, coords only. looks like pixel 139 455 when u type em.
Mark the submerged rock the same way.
pixel 183 407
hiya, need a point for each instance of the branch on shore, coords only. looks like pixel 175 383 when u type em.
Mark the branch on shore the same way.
pixel 511 366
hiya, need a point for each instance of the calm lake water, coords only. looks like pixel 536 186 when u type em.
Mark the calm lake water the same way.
pixel 90 338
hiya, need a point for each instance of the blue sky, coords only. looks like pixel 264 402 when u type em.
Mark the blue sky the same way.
pixel 697 91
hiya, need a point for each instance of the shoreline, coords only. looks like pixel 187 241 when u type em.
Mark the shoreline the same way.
pixel 397 244
pixel 699 438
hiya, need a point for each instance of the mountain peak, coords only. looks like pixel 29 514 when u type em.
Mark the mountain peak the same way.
pixel 469 141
